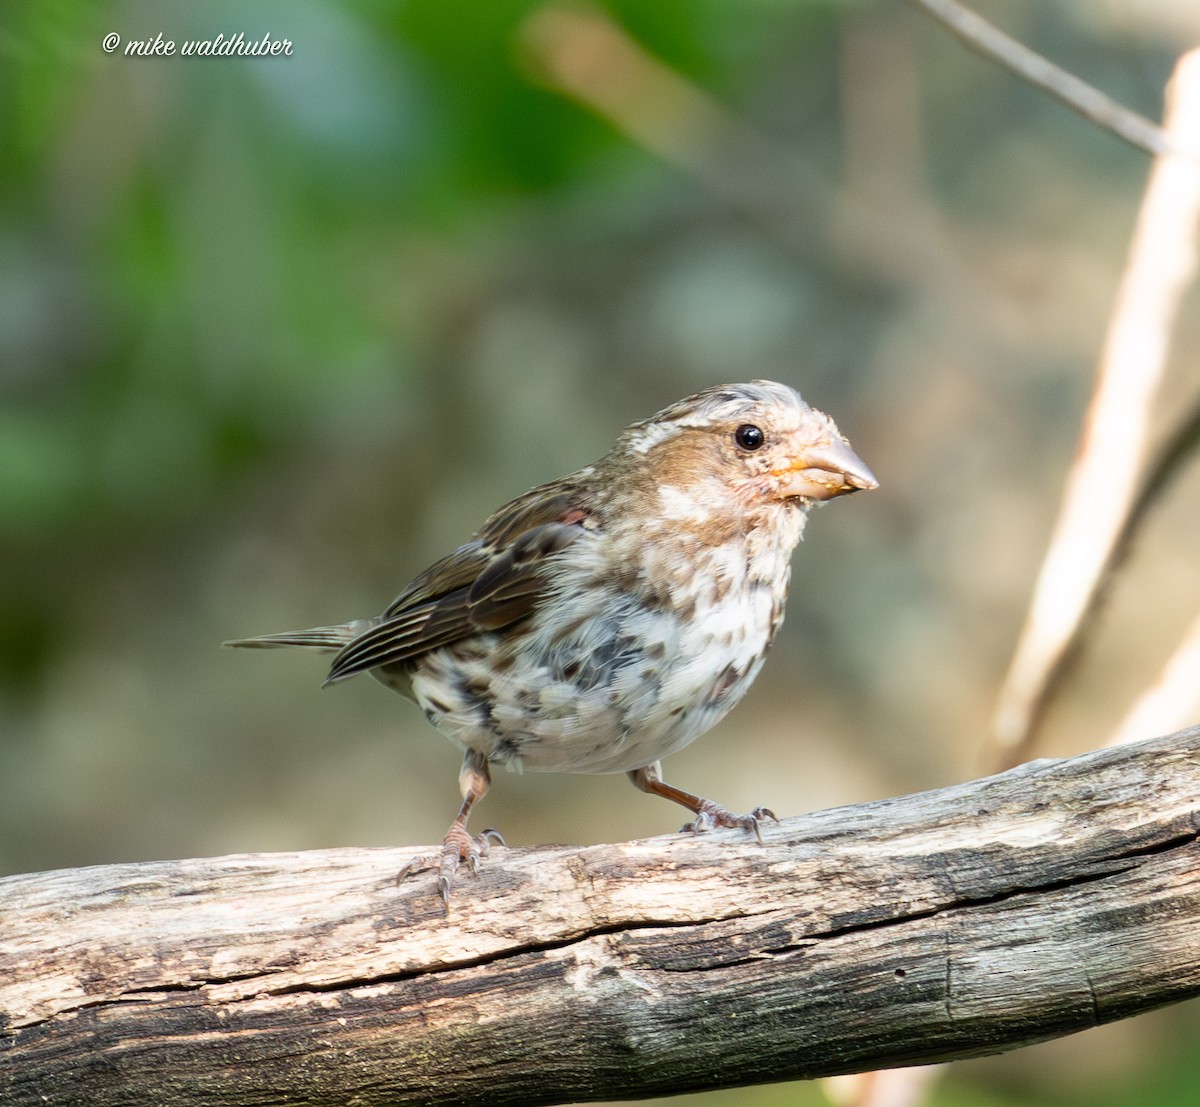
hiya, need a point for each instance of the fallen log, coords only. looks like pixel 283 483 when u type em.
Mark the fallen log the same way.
pixel 952 923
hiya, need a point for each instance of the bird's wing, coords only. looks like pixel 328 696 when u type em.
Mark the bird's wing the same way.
pixel 487 584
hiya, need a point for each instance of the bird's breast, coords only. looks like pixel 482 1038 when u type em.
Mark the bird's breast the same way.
pixel 620 665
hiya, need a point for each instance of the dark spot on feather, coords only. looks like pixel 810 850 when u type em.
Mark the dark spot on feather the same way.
pixel 649 594
pixel 653 685
pixel 475 693
pixel 730 675
pixel 604 653
pixel 507 749
pixel 655 597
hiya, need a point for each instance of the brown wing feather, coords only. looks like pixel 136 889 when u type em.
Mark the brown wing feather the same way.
pixel 403 637
pixel 487 584
pixel 455 571
pixel 544 504
pixel 459 569
pixel 513 581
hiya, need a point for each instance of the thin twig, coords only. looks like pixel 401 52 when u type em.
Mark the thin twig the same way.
pixel 992 43
pixel 1176 450
pixel 1100 510
pixel 1175 695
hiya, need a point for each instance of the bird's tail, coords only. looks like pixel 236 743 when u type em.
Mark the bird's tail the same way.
pixel 326 639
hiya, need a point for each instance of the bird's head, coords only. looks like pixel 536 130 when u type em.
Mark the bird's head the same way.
pixel 757 445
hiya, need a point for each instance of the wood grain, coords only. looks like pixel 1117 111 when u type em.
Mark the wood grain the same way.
pixel 947 924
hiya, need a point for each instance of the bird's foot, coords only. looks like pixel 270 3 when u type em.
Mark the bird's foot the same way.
pixel 457 847
pixel 710 815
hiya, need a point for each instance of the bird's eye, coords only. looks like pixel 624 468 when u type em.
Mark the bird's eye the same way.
pixel 749 437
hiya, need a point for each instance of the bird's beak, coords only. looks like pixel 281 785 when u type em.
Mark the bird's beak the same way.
pixel 822 472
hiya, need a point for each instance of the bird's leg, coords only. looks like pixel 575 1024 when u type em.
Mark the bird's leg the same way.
pixel 708 814
pixel 458 845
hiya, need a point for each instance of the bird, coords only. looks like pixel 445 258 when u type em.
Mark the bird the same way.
pixel 605 620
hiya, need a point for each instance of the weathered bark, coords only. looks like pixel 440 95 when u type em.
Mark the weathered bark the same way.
pixel 963 921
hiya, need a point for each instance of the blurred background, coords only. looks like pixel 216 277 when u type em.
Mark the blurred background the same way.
pixel 276 333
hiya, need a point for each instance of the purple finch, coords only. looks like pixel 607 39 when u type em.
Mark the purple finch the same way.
pixel 607 619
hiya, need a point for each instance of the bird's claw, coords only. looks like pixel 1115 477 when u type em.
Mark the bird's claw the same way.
pixel 457 847
pixel 711 815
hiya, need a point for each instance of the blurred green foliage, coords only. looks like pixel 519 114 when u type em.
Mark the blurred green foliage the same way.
pixel 273 333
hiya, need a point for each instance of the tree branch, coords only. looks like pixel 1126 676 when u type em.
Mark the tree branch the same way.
pixel 1088 101
pixel 1101 509
pixel 968 920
